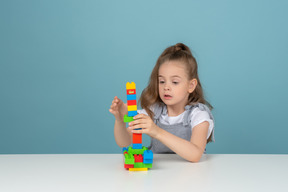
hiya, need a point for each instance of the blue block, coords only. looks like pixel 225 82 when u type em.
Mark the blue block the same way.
pixel 131 97
pixel 132 113
pixel 137 146
pixel 148 161
pixel 124 149
pixel 148 155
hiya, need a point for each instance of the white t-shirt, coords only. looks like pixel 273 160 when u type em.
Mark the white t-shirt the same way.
pixel 197 116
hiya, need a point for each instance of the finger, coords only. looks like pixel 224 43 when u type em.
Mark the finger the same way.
pixel 115 100
pixel 137 131
pixel 139 116
pixel 112 111
pixel 113 106
pixel 138 126
pixel 136 122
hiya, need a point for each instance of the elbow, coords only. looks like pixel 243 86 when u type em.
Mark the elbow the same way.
pixel 123 144
pixel 194 158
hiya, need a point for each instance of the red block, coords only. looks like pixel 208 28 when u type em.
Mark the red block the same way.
pixel 127 166
pixel 137 138
pixel 131 102
pixel 131 91
pixel 138 158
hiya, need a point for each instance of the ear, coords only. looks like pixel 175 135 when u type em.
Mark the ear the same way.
pixel 192 85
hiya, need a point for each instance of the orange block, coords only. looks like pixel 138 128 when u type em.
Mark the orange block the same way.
pixel 137 138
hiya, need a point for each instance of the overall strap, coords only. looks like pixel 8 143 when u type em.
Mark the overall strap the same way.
pixel 158 110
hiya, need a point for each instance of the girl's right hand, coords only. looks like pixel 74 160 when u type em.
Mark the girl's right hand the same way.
pixel 118 109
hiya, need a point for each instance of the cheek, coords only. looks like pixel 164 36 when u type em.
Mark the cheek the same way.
pixel 160 87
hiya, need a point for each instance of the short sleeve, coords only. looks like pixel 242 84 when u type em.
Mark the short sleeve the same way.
pixel 199 116
pixel 142 111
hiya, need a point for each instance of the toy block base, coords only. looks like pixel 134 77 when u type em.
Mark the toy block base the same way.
pixel 138 169
pixel 137 159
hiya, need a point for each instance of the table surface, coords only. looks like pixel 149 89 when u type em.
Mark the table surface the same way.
pixel 105 172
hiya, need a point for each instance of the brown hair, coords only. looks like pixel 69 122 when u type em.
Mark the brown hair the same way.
pixel 179 52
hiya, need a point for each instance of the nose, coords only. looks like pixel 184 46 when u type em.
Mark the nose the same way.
pixel 166 88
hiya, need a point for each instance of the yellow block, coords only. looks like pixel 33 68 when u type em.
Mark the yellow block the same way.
pixel 131 85
pixel 138 169
pixel 132 107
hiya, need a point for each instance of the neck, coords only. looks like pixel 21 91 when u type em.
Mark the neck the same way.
pixel 175 110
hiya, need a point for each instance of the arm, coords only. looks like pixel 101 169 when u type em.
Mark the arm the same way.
pixel 190 150
pixel 123 136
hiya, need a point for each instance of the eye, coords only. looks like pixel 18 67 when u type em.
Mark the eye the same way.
pixel 161 81
pixel 175 82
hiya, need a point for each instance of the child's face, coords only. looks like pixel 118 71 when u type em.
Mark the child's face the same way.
pixel 174 86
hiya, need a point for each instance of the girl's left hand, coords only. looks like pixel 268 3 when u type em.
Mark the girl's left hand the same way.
pixel 145 122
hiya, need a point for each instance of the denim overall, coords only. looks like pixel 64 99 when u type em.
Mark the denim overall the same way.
pixel 182 129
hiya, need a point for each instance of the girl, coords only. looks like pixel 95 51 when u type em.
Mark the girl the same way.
pixel 174 112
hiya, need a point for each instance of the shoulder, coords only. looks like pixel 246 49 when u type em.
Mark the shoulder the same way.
pixel 199 114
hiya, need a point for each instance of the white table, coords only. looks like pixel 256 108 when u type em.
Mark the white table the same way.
pixel 105 172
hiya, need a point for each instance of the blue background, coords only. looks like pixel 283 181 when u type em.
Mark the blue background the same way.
pixel 62 62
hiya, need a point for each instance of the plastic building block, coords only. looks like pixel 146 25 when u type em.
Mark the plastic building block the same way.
pixel 127 166
pixel 137 138
pixel 131 91
pixel 128 119
pixel 147 165
pixel 129 158
pixel 148 161
pixel 132 113
pixel 131 102
pixel 138 158
pixel 132 107
pixel 131 85
pixel 137 151
pixel 148 154
pixel 148 157
pixel 139 165
pixel 138 169
pixel 124 149
pixel 131 97
pixel 137 145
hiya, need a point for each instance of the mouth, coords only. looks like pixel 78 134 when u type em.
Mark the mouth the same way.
pixel 166 96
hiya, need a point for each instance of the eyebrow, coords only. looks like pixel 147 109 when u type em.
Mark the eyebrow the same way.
pixel 171 76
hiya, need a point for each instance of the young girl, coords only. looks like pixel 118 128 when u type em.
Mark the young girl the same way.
pixel 174 112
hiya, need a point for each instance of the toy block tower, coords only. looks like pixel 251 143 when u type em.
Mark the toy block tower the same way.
pixel 136 158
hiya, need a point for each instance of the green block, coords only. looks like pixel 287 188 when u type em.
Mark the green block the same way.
pixel 137 151
pixel 128 119
pixel 142 165
pixel 148 165
pixel 129 158
pixel 138 165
